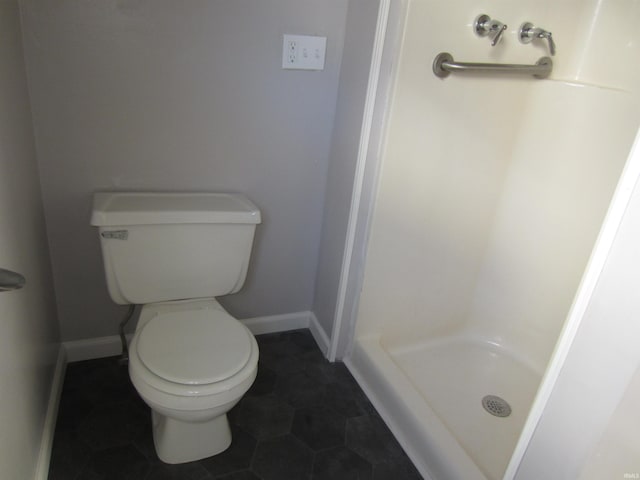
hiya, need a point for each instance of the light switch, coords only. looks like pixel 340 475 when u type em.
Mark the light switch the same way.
pixel 303 52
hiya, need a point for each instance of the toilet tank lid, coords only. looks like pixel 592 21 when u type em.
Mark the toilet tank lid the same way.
pixel 147 208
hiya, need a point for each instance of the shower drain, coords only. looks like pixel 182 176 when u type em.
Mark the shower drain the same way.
pixel 496 406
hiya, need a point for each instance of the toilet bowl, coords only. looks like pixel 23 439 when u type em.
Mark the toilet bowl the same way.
pixel 189 359
pixel 191 362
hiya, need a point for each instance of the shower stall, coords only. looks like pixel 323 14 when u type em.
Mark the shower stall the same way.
pixel 488 194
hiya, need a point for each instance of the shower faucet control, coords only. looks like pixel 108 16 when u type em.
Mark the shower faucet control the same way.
pixel 484 26
pixel 528 32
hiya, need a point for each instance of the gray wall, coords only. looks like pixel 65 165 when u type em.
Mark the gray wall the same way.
pixel 187 95
pixel 28 327
pixel 354 76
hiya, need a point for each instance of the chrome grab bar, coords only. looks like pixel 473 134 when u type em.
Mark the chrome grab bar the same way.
pixel 444 64
pixel 10 280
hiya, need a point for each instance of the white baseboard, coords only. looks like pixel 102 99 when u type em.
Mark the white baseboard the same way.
pixel 277 323
pixel 46 444
pixel 319 335
pixel 91 348
pixel 290 321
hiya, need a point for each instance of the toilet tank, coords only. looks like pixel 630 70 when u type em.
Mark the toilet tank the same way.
pixel 170 246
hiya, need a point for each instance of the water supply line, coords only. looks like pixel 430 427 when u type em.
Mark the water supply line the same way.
pixel 124 357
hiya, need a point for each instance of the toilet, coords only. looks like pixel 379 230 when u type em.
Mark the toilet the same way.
pixel 189 359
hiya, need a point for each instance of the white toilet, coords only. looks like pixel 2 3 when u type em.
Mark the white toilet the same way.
pixel 189 360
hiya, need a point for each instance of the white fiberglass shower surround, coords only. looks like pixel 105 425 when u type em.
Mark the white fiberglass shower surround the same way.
pixel 491 194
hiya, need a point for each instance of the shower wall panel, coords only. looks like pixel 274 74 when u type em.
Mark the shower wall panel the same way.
pixel 492 189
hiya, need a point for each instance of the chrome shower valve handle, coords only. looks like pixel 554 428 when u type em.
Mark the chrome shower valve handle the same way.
pixel 484 26
pixel 528 32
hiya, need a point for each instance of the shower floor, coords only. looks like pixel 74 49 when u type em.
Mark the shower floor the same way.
pixel 453 375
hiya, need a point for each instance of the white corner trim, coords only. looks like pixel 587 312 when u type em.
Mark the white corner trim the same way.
pixel 46 443
pixel 319 335
pixel 100 347
pixel 359 178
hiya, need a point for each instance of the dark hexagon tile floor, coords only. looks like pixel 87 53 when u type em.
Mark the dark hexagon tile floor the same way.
pixel 303 418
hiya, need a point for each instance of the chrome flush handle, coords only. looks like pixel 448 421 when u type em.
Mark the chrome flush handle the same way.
pixel 528 32
pixel 484 26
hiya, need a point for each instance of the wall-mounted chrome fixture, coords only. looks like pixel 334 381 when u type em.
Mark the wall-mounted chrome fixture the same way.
pixel 484 26
pixel 528 32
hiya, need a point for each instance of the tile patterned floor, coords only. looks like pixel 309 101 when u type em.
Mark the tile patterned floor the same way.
pixel 304 418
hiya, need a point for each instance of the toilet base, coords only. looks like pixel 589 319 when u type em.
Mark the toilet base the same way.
pixel 181 442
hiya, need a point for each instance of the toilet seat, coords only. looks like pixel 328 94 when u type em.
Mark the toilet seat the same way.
pixel 193 347
pixel 182 394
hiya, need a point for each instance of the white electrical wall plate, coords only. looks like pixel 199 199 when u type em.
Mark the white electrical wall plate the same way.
pixel 303 52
